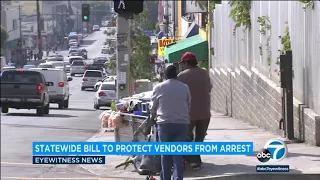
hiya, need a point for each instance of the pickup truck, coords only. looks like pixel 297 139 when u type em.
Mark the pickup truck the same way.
pixel 24 89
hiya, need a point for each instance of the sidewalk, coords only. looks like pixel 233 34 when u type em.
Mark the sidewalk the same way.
pixel 301 157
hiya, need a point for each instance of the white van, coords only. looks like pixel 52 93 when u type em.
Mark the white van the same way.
pixel 59 92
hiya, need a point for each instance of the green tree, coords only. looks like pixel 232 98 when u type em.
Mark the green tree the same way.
pixel 4 37
pixel 140 66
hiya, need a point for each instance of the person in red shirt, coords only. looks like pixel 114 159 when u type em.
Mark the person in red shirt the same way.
pixel 198 81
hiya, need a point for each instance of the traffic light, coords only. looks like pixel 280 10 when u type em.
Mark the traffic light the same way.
pixel 85 12
pixel 128 6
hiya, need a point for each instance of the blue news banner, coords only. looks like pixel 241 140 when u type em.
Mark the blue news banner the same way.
pixel 95 152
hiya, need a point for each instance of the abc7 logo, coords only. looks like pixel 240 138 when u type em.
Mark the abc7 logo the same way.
pixel 274 150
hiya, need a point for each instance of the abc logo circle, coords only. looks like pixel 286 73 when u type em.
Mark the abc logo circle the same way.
pixel 264 155
pixel 274 150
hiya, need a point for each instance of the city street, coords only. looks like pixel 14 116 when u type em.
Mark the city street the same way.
pixel 19 128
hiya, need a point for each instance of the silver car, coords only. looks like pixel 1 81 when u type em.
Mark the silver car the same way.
pixel 90 78
pixel 105 94
pixel 78 67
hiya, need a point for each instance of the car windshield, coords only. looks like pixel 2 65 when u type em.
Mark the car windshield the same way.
pixel 58 64
pixel 21 77
pixel 77 63
pixel 108 87
pixel 46 66
pixel 93 74
pixel 66 63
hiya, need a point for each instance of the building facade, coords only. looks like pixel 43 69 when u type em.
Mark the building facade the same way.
pixel 10 21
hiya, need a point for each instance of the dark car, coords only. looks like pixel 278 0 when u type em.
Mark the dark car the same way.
pixel 84 53
pixel 24 89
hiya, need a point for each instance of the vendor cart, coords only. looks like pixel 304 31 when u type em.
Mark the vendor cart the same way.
pixel 132 129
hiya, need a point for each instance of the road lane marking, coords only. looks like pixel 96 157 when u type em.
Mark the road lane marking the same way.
pixel 24 164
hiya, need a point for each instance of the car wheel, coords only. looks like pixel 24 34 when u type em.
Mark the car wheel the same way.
pixel 4 109
pixel 40 110
pixel 72 74
pixel 61 104
pixel 66 103
pixel 96 107
pixel 47 109
pixel 82 88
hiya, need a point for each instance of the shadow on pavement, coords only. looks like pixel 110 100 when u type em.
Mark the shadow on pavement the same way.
pixel 224 129
pixel 232 170
pixel 77 109
pixel 267 176
pixel 35 115
pixel 87 42
pixel 50 127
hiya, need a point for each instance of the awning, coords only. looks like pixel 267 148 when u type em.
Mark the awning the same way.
pixel 195 44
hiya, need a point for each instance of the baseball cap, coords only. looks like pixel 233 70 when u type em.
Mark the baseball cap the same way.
pixel 187 56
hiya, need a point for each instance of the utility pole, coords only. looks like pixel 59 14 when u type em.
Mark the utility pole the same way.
pixel 77 19
pixel 167 18
pixel 20 58
pixel 123 46
pixel 174 20
pixel 39 32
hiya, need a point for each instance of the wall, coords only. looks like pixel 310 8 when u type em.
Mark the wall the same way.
pixel 28 7
pixel 12 14
pixel 246 87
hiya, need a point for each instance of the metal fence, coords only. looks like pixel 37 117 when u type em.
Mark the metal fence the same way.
pixel 234 47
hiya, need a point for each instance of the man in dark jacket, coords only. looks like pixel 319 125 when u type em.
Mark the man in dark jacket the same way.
pixel 198 81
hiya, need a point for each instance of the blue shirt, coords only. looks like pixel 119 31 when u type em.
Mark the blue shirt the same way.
pixel 171 102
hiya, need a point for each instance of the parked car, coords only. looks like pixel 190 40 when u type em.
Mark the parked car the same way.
pixel 105 94
pixel 106 79
pixel 90 78
pixel 59 91
pixel 78 67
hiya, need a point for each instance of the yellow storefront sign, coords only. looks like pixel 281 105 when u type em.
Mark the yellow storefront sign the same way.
pixel 162 43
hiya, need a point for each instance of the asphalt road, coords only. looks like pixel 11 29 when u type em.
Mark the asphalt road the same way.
pixel 19 128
